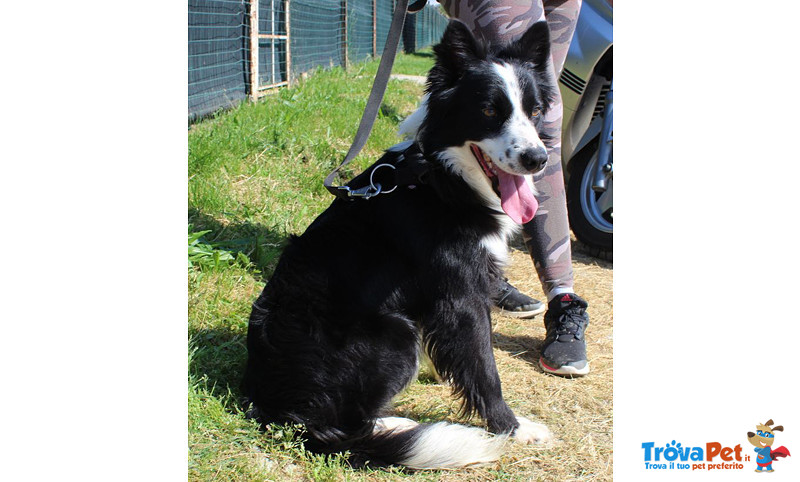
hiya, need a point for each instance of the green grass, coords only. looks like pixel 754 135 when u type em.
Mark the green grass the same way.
pixel 255 172
pixel 255 177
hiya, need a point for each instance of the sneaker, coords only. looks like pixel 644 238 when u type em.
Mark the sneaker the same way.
pixel 513 303
pixel 564 349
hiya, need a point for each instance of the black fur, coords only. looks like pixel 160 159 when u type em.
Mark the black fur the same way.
pixel 460 85
pixel 334 335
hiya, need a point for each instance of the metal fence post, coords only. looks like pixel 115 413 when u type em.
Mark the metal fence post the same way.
pixel 374 28
pixel 344 33
pixel 288 43
pixel 254 50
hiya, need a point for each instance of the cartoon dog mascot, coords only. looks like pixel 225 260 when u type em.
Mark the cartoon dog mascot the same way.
pixel 762 440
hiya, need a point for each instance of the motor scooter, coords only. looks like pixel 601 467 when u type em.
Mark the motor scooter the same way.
pixel 587 91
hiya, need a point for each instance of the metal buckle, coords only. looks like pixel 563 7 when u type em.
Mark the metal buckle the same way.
pixel 371 174
pixel 370 191
pixel 365 192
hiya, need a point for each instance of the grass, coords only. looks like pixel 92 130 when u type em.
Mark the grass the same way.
pixel 255 177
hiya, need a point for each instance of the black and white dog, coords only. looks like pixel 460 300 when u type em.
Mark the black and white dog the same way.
pixel 335 334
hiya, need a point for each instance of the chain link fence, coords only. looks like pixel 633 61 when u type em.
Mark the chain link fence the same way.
pixel 229 61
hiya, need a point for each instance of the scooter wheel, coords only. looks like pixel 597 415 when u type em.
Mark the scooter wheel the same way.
pixel 590 214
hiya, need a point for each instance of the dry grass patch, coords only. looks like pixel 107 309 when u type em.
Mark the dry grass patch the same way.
pixel 578 411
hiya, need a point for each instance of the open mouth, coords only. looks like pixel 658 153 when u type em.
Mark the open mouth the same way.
pixel 488 167
pixel 516 197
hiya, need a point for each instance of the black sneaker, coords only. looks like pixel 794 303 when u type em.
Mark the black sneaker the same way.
pixel 513 303
pixel 564 349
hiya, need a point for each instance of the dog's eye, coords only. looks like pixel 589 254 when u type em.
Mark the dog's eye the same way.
pixel 536 113
pixel 489 112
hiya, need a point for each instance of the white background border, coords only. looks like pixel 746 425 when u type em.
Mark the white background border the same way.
pixel 706 262
pixel 94 221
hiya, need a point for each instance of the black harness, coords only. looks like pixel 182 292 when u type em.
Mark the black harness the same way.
pixel 407 169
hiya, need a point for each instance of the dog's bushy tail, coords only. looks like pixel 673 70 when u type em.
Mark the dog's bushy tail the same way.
pixel 400 441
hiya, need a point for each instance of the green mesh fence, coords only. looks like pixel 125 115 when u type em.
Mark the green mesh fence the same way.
pixel 359 31
pixel 291 41
pixel 218 67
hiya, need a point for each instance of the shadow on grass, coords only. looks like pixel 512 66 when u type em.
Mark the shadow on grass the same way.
pixel 259 243
pixel 392 113
pixel 219 354
pixel 426 55
pixel 218 359
pixel 524 347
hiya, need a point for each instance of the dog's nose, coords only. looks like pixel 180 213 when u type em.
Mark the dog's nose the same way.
pixel 750 434
pixel 533 158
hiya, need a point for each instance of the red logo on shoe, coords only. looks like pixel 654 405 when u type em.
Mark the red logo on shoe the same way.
pixel 566 297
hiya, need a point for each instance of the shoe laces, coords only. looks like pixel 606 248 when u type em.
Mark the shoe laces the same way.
pixel 571 320
pixel 505 291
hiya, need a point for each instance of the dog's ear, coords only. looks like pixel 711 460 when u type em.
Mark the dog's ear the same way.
pixel 769 422
pixel 457 50
pixel 533 46
pixel 777 428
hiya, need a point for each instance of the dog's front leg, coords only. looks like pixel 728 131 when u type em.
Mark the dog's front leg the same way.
pixel 457 338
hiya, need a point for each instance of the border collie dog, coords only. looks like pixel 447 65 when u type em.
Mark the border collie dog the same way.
pixel 337 331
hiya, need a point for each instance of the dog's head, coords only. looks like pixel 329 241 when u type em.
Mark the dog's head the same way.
pixel 486 105
pixel 765 434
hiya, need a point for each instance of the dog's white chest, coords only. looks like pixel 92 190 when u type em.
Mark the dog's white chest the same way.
pixel 497 243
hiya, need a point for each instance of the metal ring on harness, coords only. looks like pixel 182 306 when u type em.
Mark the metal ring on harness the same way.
pixel 372 184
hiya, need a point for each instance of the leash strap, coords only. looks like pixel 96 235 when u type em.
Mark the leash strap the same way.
pixel 375 95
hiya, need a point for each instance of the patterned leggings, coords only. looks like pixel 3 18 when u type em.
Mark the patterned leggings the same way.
pixel 547 235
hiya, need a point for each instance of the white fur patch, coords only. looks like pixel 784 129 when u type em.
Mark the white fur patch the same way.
pixel 460 161
pixel 393 423
pixel 497 246
pixel 531 433
pixel 443 445
pixel 409 128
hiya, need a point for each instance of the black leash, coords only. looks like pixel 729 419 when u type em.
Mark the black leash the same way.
pixel 403 177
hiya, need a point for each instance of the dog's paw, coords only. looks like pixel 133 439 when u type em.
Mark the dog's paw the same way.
pixel 531 433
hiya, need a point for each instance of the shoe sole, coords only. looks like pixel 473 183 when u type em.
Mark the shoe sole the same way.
pixel 521 314
pixel 564 370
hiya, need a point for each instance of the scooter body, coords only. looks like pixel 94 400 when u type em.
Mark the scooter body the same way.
pixel 586 84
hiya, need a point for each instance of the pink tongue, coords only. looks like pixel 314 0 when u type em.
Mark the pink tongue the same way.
pixel 516 198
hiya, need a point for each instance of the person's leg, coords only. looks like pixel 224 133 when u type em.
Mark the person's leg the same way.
pixel 547 235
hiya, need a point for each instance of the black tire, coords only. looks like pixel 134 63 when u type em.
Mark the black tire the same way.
pixel 598 240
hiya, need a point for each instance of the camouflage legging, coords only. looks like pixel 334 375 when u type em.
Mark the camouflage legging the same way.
pixel 547 235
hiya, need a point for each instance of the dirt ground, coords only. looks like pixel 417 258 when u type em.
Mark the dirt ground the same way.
pixel 578 411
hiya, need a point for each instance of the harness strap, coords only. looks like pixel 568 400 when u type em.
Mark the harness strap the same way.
pixel 375 97
pixel 406 168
